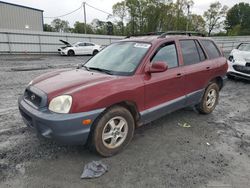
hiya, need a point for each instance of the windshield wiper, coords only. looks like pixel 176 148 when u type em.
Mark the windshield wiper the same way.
pixel 87 68
pixel 99 69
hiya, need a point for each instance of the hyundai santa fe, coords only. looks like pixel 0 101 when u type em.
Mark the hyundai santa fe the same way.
pixel 127 84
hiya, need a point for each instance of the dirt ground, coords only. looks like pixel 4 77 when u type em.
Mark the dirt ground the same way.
pixel 213 152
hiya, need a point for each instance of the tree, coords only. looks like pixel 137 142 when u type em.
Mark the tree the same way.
pixel 181 8
pixel 120 11
pixel 214 16
pixel 79 27
pixel 197 24
pixel 238 19
pixel 99 27
pixel 60 25
pixel 47 27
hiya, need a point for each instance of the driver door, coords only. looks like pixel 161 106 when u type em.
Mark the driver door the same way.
pixel 164 91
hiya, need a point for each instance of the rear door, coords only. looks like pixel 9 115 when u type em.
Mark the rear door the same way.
pixel 164 90
pixel 80 49
pixel 215 57
pixel 89 48
pixel 197 69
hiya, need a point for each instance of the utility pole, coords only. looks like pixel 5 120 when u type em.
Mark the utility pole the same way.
pixel 178 14
pixel 188 17
pixel 85 22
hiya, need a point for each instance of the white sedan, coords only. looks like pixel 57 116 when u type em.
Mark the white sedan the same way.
pixel 79 48
pixel 239 62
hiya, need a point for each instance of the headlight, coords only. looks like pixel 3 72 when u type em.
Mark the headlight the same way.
pixel 61 104
pixel 231 58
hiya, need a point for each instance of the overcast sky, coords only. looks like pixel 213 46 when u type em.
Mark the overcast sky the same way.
pixel 59 7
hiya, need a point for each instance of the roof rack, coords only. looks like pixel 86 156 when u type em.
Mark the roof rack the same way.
pixel 163 34
pixel 188 33
pixel 146 34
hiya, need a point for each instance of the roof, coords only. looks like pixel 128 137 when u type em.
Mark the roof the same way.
pixel 21 6
pixel 157 36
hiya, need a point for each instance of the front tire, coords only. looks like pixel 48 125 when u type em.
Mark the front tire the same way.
pixel 209 99
pixel 113 131
pixel 71 53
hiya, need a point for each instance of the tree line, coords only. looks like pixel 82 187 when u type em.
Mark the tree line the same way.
pixel 134 17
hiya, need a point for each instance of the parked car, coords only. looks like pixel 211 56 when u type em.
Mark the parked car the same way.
pixel 239 62
pixel 79 48
pixel 128 84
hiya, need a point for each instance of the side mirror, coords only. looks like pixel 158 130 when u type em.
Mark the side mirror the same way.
pixel 158 66
pixel 78 66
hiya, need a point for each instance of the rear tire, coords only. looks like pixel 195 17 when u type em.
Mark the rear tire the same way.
pixel 95 52
pixel 112 132
pixel 71 53
pixel 209 99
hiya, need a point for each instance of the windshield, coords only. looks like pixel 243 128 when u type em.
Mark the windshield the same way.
pixel 119 58
pixel 244 47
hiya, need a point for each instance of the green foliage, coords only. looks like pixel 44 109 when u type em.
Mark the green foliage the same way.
pixel 143 16
pixel 214 16
pixel 238 20
pixel 132 17
pixel 47 28
pixel 79 27
pixel 60 25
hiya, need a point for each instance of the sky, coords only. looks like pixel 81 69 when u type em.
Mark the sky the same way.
pixel 54 8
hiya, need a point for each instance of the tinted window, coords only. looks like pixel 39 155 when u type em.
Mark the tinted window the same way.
pixel 189 52
pixel 244 47
pixel 211 49
pixel 81 44
pixel 168 54
pixel 89 44
pixel 201 52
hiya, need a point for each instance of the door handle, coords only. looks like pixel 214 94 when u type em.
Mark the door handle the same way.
pixel 179 75
pixel 208 68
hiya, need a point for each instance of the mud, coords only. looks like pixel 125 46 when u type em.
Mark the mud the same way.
pixel 213 152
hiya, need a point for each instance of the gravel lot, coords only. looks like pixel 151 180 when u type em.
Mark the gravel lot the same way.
pixel 213 152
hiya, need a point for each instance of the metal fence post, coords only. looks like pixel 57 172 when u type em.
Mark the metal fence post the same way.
pixel 40 45
pixel 8 40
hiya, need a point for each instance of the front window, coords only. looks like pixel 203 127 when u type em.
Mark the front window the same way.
pixel 244 47
pixel 119 58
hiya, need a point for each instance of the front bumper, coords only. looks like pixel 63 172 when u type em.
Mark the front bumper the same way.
pixel 62 51
pixel 233 72
pixel 63 128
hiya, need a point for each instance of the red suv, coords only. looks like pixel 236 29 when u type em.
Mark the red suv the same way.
pixel 127 84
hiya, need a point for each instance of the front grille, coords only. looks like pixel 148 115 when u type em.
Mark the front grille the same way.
pixel 32 97
pixel 243 69
pixel 247 64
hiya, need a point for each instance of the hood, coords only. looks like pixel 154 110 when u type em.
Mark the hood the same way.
pixel 68 80
pixel 66 43
pixel 241 55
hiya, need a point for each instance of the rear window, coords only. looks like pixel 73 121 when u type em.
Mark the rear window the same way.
pixel 189 52
pixel 211 49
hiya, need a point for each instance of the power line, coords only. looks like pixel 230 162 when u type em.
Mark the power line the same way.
pixel 79 9
pixel 65 14
pixel 98 9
